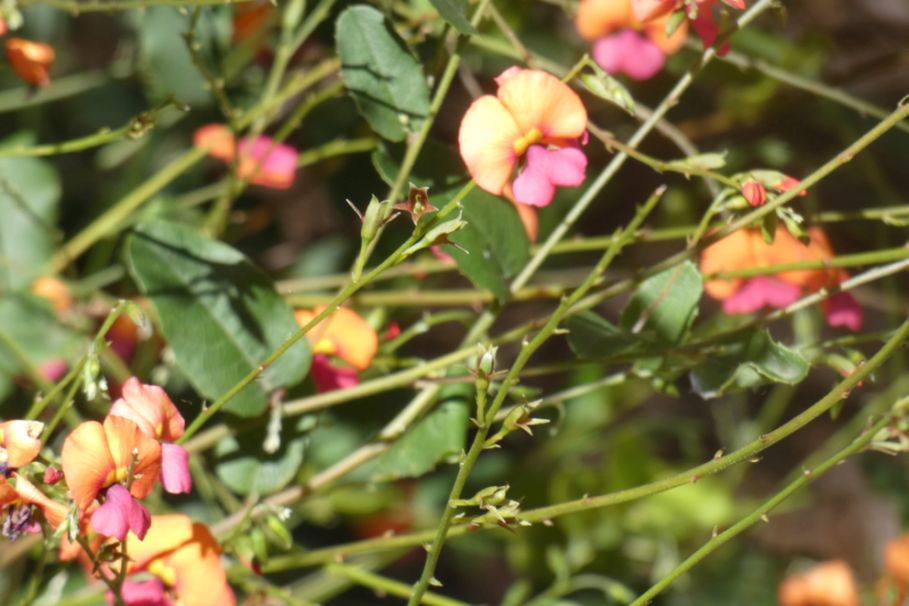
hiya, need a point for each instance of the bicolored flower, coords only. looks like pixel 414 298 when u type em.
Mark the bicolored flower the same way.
pixel 149 407
pixel 30 60
pixel 184 559
pixel 699 13
pixel 624 44
pixel 344 335
pixel 746 248
pixel 261 160
pixel 96 456
pixel 20 442
pixel 827 584
pixel 532 124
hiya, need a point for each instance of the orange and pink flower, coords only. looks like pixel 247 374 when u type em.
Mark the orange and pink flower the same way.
pixel 151 409
pixel 624 44
pixel 261 160
pixel 746 248
pixel 17 497
pixel 344 335
pixel 533 124
pixel 699 13
pixel 184 560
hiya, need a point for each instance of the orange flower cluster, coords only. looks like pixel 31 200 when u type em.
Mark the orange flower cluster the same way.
pixel 698 12
pixel 107 467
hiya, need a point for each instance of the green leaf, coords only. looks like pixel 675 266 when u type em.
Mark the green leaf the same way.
pixel 666 304
pixel 753 360
pixel 439 167
pixel 439 436
pixel 29 201
pixel 609 89
pixel 29 323
pixel 708 161
pixel 495 242
pixel 455 12
pixel 220 314
pixel 385 80
pixel 592 336
pixel 246 468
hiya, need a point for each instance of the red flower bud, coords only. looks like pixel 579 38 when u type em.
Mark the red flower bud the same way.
pixel 30 60
pixel 754 192
pixel 790 183
pixel 52 475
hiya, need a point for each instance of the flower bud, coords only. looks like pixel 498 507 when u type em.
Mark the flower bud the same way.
pixel 754 192
pixel 30 60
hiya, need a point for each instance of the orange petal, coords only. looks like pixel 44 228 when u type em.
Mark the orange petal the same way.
pixel 217 139
pixel 646 10
pixel 344 333
pixel 54 290
pixel 596 18
pixel 124 437
pixel 30 60
pixel 786 248
pixel 827 584
pixel 166 534
pixel 8 494
pixel 486 139
pixel 731 253
pixel 896 557
pixel 54 512
pixel 87 463
pixel 656 31
pixel 539 100
pixel 21 440
pixel 200 578
pixel 527 214
pixel 149 407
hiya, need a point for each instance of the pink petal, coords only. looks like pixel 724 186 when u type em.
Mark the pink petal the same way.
pixel 119 514
pixel 175 476
pixel 276 162
pixel 533 185
pixel 545 169
pixel 329 378
pixel 757 292
pixel 141 593
pixel 53 370
pixel 843 310
pixel 706 28
pixel 630 53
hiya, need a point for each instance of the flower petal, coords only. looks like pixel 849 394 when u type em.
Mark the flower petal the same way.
pixel 123 438
pixel 149 407
pixel 344 334
pixel 486 140
pixel 217 139
pixel 268 163
pixel 646 10
pixel 533 186
pixel 539 100
pixel 843 310
pixel 759 292
pixel 329 378
pixel 629 53
pixel 87 462
pixel 141 593
pixel 22 441
pixel 175 476
pixel 119 514
pixel 53 511
pixel 596 18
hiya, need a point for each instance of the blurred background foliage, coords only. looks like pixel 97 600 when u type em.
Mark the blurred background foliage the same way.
pixel 116 67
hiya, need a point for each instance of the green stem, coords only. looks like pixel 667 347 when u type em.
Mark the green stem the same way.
pixel 527 350
pixel 86 6
pixel 382 584
pixel 761 512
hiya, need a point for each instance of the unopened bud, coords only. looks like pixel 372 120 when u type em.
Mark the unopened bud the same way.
pixel 52 475
pixel 754 192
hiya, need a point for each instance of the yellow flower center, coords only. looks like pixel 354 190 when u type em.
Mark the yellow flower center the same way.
pixel 164 572
pixel 532 136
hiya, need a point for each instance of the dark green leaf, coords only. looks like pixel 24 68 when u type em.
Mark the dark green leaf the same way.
pixel 455 12
pixel 439 167
pixel 437 437
pixel 245 467
pixel 386 81
pixel 592 336
pixel 750 361
pixel 30 327
pixel 218 312
pixel 495 242
pixel 666 304
pixel 29 199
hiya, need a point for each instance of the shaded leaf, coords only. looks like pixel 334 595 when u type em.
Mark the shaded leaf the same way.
pixel 245 467
pixel 592 336
pixel 29 201
pixel 750 361
pixel 385 80
pixel 439 436
pixel 495 242
pixel 708 161
pixel 455 12
pixel 218 312
pixel 439 167
pixel 665 304
pixel 29 323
